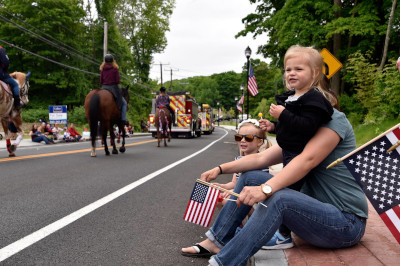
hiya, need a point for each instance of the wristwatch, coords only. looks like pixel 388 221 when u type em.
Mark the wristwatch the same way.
pixel 267 190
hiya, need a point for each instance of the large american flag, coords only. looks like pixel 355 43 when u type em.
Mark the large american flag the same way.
pixel 252 85
pixel 201 205
pixel 378 174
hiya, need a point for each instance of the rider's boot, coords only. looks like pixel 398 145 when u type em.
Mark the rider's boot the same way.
pixel 17 102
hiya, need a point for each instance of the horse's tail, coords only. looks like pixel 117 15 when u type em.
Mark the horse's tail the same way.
pixel 94 105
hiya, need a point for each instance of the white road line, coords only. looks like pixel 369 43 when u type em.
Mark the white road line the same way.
pixel 31 239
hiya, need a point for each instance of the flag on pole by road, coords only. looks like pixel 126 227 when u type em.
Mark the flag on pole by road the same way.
pixel 241 99
pixel 239 107
pixel 378 173
pixel 201 205
pixel 252 86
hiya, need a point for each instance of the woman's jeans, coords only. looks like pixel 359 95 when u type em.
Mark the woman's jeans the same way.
pixel 320 224
pixel 123 109
pixel 14 85
pixel 42 138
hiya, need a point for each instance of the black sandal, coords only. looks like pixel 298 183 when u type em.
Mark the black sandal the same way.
pixel 201 252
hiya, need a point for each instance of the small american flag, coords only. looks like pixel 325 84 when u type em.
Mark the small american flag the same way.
pixel 241 99
pixel 252 86
pixel 239 107
pixel 201 205
pixel 377 172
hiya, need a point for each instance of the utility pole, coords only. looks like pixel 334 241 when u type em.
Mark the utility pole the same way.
pixel 105 43
pixel 170 85
pixel 161 64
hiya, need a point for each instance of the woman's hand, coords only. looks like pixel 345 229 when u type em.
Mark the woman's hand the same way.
pixel 210 174
pixel 251 195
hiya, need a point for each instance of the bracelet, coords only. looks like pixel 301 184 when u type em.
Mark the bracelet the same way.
pixel 220 169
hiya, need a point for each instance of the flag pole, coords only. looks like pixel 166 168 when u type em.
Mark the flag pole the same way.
pixel 217 187
pixel 366 144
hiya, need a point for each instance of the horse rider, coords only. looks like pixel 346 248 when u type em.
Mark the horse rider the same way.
pixel 109 79
pixel 163 100
pixel 5 76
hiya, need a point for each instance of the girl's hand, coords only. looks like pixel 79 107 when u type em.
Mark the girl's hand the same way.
pixel 251 195
pixel 266 125
pixel 276 110
pixel 210 174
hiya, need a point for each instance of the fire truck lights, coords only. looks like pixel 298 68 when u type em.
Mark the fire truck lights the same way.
pixel 189 119
pixel 151 119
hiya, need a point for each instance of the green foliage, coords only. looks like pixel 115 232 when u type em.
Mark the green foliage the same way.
pixel 77 115
pixel 33 115
pixel 377 91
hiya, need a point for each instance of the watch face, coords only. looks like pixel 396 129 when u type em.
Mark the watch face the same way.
pixel 267 189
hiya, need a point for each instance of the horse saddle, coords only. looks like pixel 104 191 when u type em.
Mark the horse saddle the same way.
pixel 6 87
pixel 116 92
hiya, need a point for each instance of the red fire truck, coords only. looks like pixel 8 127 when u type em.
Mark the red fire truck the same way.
pixel 206 116
pixel 186 124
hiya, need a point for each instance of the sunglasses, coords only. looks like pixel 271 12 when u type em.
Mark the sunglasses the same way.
pixel 248 138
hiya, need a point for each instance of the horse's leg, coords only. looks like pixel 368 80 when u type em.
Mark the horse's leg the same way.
pixel 122 148
pixel 104 138
pixel 158 136
pixel 4 123
pixel 112 141
pixel 17 120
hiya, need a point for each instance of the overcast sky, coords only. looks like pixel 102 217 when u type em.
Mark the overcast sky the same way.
pixel 201 40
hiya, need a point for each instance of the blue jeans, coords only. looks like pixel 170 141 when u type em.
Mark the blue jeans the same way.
pixel 123 109
pixel 42 138
pixel 320 224
pixel 14 85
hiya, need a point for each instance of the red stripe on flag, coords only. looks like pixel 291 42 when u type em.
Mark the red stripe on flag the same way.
pixel 396 132
pixel 212 213
pixel 210 203
pixel 389 223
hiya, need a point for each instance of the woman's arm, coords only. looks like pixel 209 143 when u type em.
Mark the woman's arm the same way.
pixel 316 150
pixel 255 161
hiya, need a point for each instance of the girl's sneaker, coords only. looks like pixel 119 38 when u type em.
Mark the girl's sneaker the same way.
pixel 279 241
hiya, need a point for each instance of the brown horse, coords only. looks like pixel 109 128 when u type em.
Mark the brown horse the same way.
pixel 163 122
pixel 8 111
pixel 101 110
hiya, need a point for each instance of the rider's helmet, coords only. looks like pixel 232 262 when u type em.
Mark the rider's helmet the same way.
pixel 108 58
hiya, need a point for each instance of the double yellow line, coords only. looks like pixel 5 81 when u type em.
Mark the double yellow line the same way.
pixel 67 152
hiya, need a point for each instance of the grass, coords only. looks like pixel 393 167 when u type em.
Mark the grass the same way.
pixel 365 133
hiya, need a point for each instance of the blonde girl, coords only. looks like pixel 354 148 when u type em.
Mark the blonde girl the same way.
pixel 250 139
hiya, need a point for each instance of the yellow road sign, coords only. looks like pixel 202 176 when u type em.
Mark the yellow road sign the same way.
pixel 332 65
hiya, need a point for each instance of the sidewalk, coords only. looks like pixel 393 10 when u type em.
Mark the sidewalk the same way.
pixel 30 143
pixel 377 247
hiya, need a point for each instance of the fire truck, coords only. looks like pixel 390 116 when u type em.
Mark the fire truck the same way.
pixel 186 124
pixel 206 116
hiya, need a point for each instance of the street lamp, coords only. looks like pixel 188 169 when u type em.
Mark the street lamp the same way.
pixel 236 114
pixel 218 112
pixel 241 92
pixel 247 52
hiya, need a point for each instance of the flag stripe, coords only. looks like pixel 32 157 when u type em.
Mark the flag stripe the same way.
pixel 206 207
pixel 396 132
pixel 391 219
pixel 211 213
pixel 210 204
pixel 199 215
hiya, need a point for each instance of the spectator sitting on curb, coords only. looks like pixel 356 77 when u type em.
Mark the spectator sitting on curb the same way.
pixel 85 134
pixel 57 132
pixel 74 135
pixel 37 135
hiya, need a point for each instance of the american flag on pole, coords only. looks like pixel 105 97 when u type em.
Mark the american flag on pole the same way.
pixel 378 174
pixel 252 86
pixel 201 205
pixel 241 99
pixel 239 107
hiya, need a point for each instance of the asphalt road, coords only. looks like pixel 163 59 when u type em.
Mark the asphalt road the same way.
pixel 59 206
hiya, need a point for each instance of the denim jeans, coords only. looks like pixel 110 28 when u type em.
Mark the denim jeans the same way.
pixel 42 138
pixel 14 85
pixel 320 224
pixel 123 109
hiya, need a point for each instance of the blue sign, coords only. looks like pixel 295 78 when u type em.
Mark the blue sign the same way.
pixel 58 114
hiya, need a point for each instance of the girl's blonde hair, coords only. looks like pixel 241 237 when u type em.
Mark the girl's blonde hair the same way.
pixel 113 63
pixel 316 62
